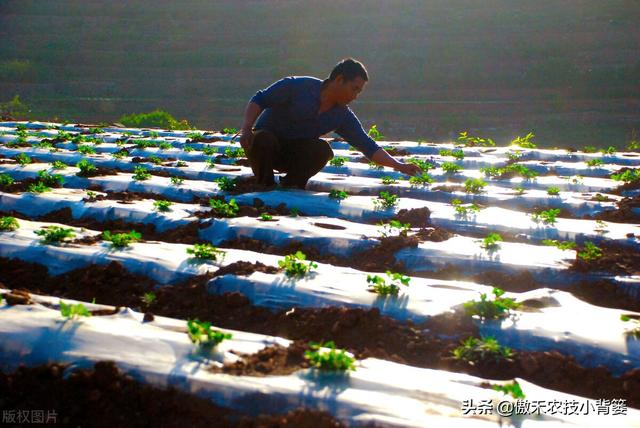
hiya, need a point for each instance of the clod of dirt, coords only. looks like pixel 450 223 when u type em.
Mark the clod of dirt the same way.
pixel 416 217
pixel 18 297
pixel 272 360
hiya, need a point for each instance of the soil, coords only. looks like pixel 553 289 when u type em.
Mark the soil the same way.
pixel 616 259
pixel 623 214
pixel 99 171
pixel 363 332
pixel 104 396
pixel 416 217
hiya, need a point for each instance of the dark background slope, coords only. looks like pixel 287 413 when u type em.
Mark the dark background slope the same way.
pixel 568 70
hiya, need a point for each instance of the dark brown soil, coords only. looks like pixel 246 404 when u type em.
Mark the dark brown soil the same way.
pixel 364 332
pixel 623 214
pixel 99 171
pixel 272 360
pixel 616 259
pixel 416 217
pixel 105 397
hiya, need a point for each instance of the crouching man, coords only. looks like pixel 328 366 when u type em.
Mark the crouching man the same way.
pixel 294 112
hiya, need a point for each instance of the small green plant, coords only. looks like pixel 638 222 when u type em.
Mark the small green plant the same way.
pixel 553 191
pixel 601 227
pixel 633 331
pixel 225 183
pixel 119 155
pixel 450 167
pixel 464 210
pixel 85 166
pixel 514 156
pixel 490 242
pixel 224 209
pixel 181 164
pixel 86 150
pixel 547 216
pixel 165 145
pixel 595 162
pixel 58 165
pixel 141 173
pixel 423 165
pixel 73 311
pixel 524 142
pixel 469 141
pixel 51 234
pixel 519 190
pixel 601 198
pixel 155 160
pixel 374 133
pixel 8 223
pixel 121 240
pixel 375 166
pixel 148 298
pixel 513 389
pixel 627 176
pixel 43 145
pixel 334 359
pixel 209 150
pixel 474 350
pixel 338 161
pixel 608 151
pixel 385 200
pixel 337 194
pixel 294 212
pixel 294 266
pixel 177 181
pixel 205 252
pixel 201 334
pixel 50 179
pixel 187 149
pixel 474 185
pixel 229 130
pixel 491 171
pixel 195 135
pixel 499 307
pixel 590 252
pixel 162 205
pixel 211 162
pixel 144 144
pixel 266 217
pixel 562 245
pixel 380 286
pixel 590 149
pixel 421 180
pixel 23 159
pixel 389 180
pixel 153 134
pixel 6 180
pixel 457 153
pixel 38 187
pixel 388 228
pixel 233 152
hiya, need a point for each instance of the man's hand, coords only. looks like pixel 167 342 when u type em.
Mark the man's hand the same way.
pixel 408 168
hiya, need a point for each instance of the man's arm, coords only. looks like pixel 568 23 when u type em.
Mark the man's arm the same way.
pixel 251 113
pixel 381 157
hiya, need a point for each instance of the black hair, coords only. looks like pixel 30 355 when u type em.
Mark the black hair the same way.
pixel 350 69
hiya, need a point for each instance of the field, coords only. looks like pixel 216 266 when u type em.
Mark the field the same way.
pixel 503 274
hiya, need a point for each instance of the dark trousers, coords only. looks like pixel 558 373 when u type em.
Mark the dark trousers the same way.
pixel 300 159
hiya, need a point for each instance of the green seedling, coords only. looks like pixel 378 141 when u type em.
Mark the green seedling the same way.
pixel 144 144
pixel 211 162
pixel 512 389
pixel 85 166
pixel 464 210
pixel 601 227
pixel 58 165
pixel 519 190
pixel 181 164
pixel 491 171
pixel 96 130
pixel 155 160
pixel 294 212
pixel 86 150
pixel 337 194
pixel 380 286
pixel 608 151
pixel 266 217
pixel 21 127
pixel 514 156
pixel 119 155
pixel 229 130
pixel 421 180
pixel 375 166
pixel 389 180
pixel 141 173
pixel 149 298
pixel 233 153
pixel 590 149
pixel 423 165
pixel 633 331
pixel 487 348
pixel 450 167
pixel 53 234
pixel 497 308
pixel 38 187
pixel 547 216
pixel 490 242
pixel 524 142
pixel 553 191
pixel 50 179
pixel 388 228
pixel 294 266
pixel 195 135
pixel 332 360
pixel 338 161
pixel 224 209
pixel 162 205
pixel 44 145
pixel 205 252
pixel 187 149
pixel 577 179
pixel 153 134
pixel 458 154
pixel 121 240
pixel 225 183
pixel 595 162
pixel 374 133
pixel 201 334
pixel 474 185
pixel 8 223
pixel 209 150
pixel 177 181
pixel 385 200
pixel 590 252
pixel 601 198
pixel 73 311
pixel 23 159
pixel 165 145
pixel 564 245
pixel 469 141
pixel 627 176
pixel 6 180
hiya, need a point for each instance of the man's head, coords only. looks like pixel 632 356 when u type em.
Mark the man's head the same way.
pixel 347 80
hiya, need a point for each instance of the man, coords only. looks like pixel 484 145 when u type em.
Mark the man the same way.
pixel 294 112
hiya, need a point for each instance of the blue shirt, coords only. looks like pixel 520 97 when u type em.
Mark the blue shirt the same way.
pixel 291 112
